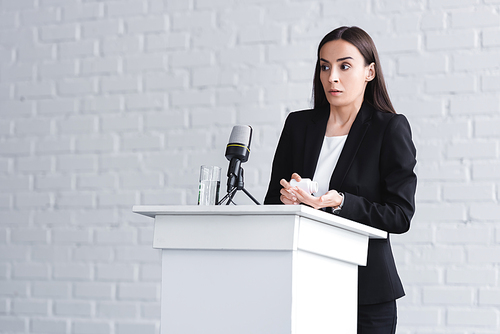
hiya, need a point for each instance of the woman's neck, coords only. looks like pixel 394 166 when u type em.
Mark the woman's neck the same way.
pixel 341 119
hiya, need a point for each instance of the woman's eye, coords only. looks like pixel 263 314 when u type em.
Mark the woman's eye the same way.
pixel 345 66
pixel 325 67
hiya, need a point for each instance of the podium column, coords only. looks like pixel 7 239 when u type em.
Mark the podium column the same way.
pixel 258 269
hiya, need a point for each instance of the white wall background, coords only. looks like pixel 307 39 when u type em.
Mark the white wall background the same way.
pixel 107 104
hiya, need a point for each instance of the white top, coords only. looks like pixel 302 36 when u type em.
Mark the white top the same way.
pixel 328 157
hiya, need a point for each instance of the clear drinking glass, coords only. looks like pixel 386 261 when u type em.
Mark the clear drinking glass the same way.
pixel 208 191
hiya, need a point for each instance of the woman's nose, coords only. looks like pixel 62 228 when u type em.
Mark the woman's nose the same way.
pixel 333 77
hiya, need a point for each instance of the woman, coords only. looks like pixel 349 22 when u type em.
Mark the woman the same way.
pixel 361 153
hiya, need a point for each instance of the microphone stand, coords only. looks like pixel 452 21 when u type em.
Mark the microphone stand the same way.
pixel 240 185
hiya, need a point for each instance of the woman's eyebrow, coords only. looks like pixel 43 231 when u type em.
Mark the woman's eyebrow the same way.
pixel 345 58
pixel 340 59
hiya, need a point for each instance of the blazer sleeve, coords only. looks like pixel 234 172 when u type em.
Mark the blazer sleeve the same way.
pixel 282 164
pixel 398 183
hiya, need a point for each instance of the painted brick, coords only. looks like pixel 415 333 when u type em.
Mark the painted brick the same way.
pixel 76 87
pixel 72 271
pixel 162 81
pixel 131 328
pixel 100 28
pixel 150 272
pixel 138 291
pixel 35 53
pixel 463 235
pixel 35 90
pixel 99 66
pixel 91 327
pixel 48 326
pixel 76 163
pixel 79 12
pixel 455 40
pixel 13 325
pixel 57 70
pixel 143 254
pixel 53 217
pixel 148 24
pixel 475 104
pixel 16 72
pixel 472 150
pixel 73 308
pixel 114 236
pixel 119 84
pixel 109 199
pixel 61 32
pixel 408 43
pixel 143 63
pixel 151 311
pixel 115 272
pixel 124 8
pixel 53 182
pixel 29 307
pixel 122 162
pixel 483 254
pixel 96 181
pixel 16 108
pixel 453 84
pixel 149 101
pixel 166 41
pixel 165 121
pixel 14 183
pixel 486 127
pixel 484 17
pixel 95 144
pixel 490 83
pixel 489 296
pixel 116 310
pixel 491 38
pixel 440 295
pixel 422 64
pixel 468 317
pixel 14 289
pixel 121 45
pixel 468 192
pixel 193 20
pixel 58 106
pixel 70 236
pixel 71 50
pixel 28 235
pixel 50 253
pixel 58 290
pixel 486 211
pixel 99 104
pixel 119 123
pixel 92 290
pixel 141 142
pixel 470 276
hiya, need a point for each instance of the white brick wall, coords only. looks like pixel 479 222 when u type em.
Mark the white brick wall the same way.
pixel 107 104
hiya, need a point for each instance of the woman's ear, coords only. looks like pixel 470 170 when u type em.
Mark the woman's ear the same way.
pixel 370 72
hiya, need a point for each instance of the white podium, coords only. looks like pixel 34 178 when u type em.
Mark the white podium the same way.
pixel 271 269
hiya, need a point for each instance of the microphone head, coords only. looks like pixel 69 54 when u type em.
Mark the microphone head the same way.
pixel 239 143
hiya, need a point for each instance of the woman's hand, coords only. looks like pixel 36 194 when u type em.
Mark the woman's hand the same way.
pixel 295 196
pixel 288 193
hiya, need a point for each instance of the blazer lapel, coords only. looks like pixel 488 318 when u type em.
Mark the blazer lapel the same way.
pixel 354 139
pixel 315 134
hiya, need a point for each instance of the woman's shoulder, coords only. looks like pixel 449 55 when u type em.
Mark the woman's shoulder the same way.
pixel 306 115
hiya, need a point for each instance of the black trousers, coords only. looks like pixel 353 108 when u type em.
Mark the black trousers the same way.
pixel 377 318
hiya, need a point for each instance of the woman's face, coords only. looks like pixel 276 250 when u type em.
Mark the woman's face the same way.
pixel 344 74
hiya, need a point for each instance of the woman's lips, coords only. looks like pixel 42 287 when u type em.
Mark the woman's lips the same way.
pixel 335 92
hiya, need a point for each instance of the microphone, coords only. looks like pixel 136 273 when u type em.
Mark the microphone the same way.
pixel 237 152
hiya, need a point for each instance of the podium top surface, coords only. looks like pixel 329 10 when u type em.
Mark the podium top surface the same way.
pixel 245 210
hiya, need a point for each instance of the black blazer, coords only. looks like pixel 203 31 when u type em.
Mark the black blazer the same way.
pixel 375 173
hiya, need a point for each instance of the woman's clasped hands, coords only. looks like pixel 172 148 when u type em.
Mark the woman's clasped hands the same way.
pixel 294 196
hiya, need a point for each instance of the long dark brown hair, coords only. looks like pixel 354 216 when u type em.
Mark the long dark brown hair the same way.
pixel 376 92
